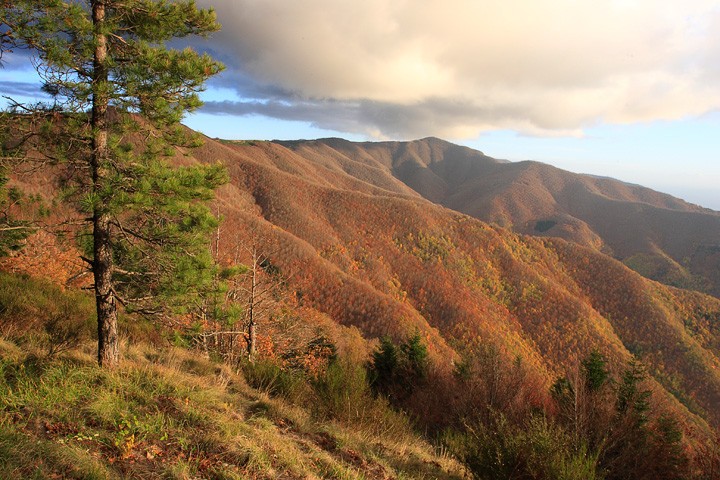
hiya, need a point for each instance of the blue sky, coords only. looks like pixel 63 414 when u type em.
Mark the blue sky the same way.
pixel 680 157
pixel 622 88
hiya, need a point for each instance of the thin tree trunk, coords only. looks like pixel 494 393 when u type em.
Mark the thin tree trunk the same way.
pixel 108 342
pixel 252 341
pixel 217 234
pixel 252 335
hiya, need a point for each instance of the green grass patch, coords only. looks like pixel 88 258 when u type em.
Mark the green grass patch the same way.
pixel 168 412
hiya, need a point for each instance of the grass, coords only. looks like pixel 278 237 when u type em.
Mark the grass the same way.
pixel 170 413
pixel 38 312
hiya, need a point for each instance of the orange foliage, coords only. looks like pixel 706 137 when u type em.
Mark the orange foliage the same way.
pixel 44 255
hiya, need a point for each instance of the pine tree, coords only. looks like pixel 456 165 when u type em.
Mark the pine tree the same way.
pixel 119 94
pixel 12 231
pixel 627 447
pixel 416 355
pixel 396 371
pixel 384 365
pixel 595 370
pixel 6 37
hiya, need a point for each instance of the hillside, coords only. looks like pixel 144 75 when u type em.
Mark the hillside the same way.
pixel 171 413
pixel 183 418
pixel 659 236
pixel 369 254
pixel 364 255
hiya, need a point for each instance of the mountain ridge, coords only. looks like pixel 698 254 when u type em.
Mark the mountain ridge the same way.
pixel 390 262
pixel 672 237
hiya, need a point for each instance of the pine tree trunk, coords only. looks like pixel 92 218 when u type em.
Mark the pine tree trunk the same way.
pixel 108 342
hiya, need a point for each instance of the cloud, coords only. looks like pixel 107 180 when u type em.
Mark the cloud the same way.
pixel 454 68
pixel 12 88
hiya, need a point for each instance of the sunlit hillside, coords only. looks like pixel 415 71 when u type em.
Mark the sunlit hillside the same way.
pixel 358 255
pixel 370 254
pixel 659 236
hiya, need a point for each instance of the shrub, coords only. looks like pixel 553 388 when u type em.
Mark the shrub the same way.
pixel 534 450
pixel 267 375
pixel 343 394
pixel 342 391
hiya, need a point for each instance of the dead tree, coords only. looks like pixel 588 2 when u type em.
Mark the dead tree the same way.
pixel 260 291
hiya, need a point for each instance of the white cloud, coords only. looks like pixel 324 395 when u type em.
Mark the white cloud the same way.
pixel 456 67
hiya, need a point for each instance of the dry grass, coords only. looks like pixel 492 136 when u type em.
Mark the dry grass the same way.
pixel 170 414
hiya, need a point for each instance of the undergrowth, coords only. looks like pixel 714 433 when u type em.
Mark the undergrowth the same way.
pixel 167 412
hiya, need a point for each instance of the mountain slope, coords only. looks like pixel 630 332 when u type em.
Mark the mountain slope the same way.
pixel 388 262
pixel 662 237
pixel 180 416
pixel 369 253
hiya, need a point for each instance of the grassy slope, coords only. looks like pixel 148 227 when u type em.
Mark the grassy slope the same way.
pixel 169 414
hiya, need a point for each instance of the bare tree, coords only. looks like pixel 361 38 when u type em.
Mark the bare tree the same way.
pixel 260 290
pixel 255 291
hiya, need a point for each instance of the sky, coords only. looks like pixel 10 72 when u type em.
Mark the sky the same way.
pixel 622 88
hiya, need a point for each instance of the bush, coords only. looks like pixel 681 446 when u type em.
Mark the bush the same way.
pixel 269 376
pixel 342 391
pixel 344 395
pixel 536 450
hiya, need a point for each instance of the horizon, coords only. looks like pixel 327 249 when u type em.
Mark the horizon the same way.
pixel 708 197
pixel 626 89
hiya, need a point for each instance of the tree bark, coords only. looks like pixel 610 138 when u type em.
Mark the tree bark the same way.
pixel 108 341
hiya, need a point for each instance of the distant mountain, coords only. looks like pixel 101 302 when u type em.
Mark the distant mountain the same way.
pixel 661 237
